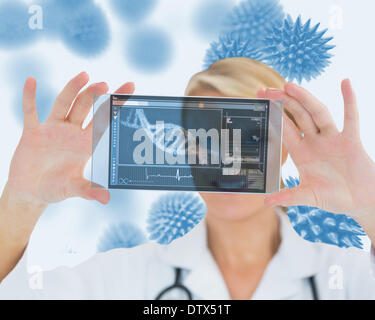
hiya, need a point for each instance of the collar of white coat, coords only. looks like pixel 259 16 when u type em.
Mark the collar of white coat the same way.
pixel 295 261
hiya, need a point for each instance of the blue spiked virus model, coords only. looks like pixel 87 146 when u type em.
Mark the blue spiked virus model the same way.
pixel 133 11
pixel 121 235
pixel 174 215
pixel 210 16
pixel 149 49
pixel 254 20
pixel 85 30
pixel 317 225
pixel 298 51
pixel 231 46
pixel 81 25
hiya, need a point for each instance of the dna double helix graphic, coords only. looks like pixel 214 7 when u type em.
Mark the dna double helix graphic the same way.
pixel 169 138
pixel 174 140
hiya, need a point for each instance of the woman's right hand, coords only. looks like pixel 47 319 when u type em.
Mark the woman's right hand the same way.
pixel 48 164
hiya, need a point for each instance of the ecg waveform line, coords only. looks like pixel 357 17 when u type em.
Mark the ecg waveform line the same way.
pixel 177 176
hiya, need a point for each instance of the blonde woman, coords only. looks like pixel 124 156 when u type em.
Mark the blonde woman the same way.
pixel 244 249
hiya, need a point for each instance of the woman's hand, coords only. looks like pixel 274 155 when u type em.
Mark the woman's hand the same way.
pixel 48 164
pixel 336 173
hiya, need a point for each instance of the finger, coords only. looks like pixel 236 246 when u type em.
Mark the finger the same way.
pixel 30 115
pixel 83 103
pixel 84 189
pixel 317 110
pixel 66 97
pixel 351 122
pixel 300 114
pixel 261 94
pixel 299 196
pixel 292 137
pixel 101 113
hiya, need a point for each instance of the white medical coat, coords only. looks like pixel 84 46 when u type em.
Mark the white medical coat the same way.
pixel 144 271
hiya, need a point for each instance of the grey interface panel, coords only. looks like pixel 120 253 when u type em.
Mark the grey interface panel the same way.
pixel 188 143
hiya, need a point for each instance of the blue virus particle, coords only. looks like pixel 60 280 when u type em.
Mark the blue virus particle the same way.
pixel 174 215
pixel 133 11
pixel 55 12
pixel 317 225
pixel 254 20
pixel 298 51
pixel 121 235
pixel 149 49
pixel 84 29
pixel 14 25
pixel 210 16
pixel 231 46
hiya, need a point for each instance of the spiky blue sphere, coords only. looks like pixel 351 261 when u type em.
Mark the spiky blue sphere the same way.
pixel 55 12
pixel 230 46
pixel 133 11
pixel 298 51
pixel 84 29
pixel 149 49
pixel 255 19
pixel 174 215
pixel 317 225
pixel 209 18
pixel 121 235
pixel 14 25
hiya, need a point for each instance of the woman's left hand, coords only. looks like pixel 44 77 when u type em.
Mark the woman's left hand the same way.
pixel 336 173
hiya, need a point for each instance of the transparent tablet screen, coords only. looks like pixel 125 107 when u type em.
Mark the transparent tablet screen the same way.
pixel 187 144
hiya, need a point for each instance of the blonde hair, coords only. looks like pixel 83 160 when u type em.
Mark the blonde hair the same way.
pixel 235 77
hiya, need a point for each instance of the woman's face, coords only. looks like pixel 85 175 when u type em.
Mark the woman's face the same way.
pixel 233 206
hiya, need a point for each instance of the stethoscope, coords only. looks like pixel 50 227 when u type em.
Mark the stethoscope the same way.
pixel 177 291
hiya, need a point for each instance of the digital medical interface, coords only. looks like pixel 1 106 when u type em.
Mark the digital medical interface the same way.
pixel 188 143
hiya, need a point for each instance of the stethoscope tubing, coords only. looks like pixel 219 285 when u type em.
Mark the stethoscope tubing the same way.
pixel 178 285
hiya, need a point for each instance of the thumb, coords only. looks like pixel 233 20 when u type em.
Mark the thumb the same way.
pixel 299 196
pixel 90 191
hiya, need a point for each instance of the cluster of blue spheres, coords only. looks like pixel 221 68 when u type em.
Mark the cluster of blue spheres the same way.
pixel 257 29
pixel 80 25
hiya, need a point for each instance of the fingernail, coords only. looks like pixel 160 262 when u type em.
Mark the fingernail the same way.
pixel 83 73
pixel 274 89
